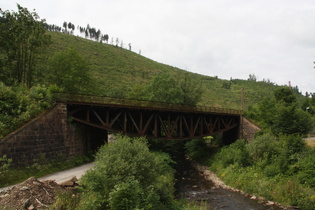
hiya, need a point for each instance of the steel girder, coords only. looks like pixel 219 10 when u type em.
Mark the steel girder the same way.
pixel 157 124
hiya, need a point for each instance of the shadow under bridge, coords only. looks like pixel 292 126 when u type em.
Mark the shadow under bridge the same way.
pixel 152 119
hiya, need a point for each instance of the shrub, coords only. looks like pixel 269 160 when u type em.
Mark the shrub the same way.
pixel 127 163
pixel 196 148
pixel 262 147
pixel 306 166
pixel 125 195
pixel 235 153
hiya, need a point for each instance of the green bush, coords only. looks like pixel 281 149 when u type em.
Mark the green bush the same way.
pixel 196 149
pixel 306 166
pixel 235 153
pixel 293 145
pixel 128 163
pixel 262 147
pixel 125 195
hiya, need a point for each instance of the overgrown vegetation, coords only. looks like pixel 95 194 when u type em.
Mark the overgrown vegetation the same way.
pixel 165 88
pixel 282 114
pixel 280 170
pixel 20 104
pixel 276 164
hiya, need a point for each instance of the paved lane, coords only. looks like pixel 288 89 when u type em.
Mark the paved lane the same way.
pixel 65 175
pixel 62 176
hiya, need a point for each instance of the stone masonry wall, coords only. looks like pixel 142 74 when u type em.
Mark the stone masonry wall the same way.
pixel 249 129
pixel 49 135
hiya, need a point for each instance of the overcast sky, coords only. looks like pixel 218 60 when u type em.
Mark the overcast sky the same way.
pixel 272 39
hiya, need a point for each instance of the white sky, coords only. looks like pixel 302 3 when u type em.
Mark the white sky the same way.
pixel 273 39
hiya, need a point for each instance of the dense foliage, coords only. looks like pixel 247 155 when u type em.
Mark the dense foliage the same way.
pixel 280 170
pixel 165 88
pixel 282 115
pixel 128 176
pixel 22 38
pixel 69 71
pixel 20 104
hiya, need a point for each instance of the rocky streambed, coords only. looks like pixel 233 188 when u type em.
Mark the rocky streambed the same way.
pixel 197 184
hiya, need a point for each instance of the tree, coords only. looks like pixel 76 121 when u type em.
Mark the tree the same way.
pixel 65 25
pixel 191 89
pixel 164 88
pixel 285 94
pixel 137 92
pixel 98 35
pixel 22 36
pixel 252 77
pixel 292 120
pixel 69 71
pixel 266 112
pixel 282 115
pixel 106 37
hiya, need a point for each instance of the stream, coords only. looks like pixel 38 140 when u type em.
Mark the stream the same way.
pixel 194 186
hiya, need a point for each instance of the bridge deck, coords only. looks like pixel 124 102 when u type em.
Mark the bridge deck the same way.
pixel 136 104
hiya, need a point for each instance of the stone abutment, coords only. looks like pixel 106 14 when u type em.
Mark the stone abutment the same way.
pixel 49 135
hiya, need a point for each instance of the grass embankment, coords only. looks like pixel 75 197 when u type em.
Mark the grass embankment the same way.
pixel 115 71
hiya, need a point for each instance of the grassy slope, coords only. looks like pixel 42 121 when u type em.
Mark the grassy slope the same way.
pixel 114 68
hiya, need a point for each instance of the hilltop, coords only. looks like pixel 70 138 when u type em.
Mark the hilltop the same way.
pixel 116 70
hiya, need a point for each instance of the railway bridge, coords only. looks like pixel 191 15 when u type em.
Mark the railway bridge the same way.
pixel 152 119
pixel 78 124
